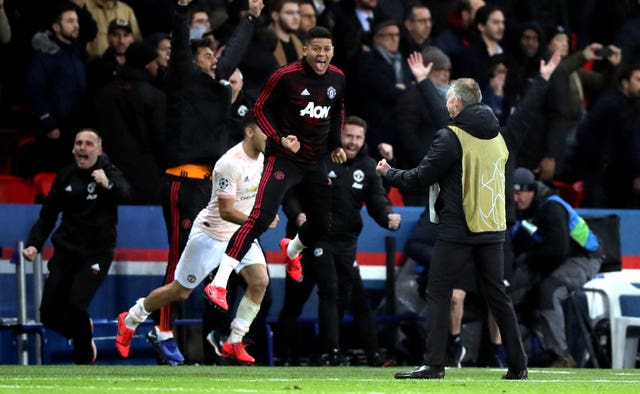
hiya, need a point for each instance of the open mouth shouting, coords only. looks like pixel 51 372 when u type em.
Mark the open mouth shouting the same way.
pixel 82 160
pixel 320 66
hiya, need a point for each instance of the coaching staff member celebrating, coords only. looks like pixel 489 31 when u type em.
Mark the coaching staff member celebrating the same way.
pixel 466 162
pixel 301 111
pixel 87 193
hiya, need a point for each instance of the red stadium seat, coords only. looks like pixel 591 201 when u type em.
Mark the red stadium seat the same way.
pixel 15 190
pixel 573 193
pixel 395 197
pixel 42 182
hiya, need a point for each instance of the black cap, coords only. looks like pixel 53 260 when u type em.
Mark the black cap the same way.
pixel 154 39
pixel 119 24
pixel 139 54
pixel 375 29
pixel 524 180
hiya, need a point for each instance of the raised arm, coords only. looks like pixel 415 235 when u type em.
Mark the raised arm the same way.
pixel 519 124
pixel 433 101
pixel 236 47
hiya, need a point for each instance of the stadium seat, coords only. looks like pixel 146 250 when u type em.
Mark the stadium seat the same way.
pixel 395 197
pixel 573 193
pixel 614 295
pixel 42 182
pixel 15 190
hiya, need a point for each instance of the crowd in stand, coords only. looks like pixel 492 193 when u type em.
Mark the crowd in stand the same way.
pixel 105 64
pixel 66 74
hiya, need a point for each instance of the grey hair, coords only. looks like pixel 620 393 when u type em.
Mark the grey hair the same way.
pixel 466 90
pixel 239 73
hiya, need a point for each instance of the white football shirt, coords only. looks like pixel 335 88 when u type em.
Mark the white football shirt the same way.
pixel 236 176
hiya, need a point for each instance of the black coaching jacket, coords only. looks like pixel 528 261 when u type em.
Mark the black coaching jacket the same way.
pixel 89 211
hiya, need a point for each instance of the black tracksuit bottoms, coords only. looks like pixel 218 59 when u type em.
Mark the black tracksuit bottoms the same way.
pixel 280 175
pixel 69 289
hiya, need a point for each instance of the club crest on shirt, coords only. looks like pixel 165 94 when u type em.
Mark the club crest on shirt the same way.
pixel 358 175
pixel 91 191
pixel 331 92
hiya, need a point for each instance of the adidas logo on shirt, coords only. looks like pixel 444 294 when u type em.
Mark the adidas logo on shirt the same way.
pixel 67 189
pixel 332 174
pixel 305 92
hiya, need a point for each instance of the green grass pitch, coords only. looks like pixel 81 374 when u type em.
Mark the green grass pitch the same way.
pixel 235 379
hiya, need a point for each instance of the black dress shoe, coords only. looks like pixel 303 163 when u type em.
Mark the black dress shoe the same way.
pixel 513 375
pixel 422 372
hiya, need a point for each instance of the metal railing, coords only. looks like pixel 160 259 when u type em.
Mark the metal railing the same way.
pixel 22 339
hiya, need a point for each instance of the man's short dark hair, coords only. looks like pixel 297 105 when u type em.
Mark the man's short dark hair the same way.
pixel 463 5
pixel 317 32
pixel 483 13
pixel 409 13
pixel 66 7
pixel 196 10
pixel 357 121
pixel 625 71
pixel 199 43
pixel 276 6
pixel 249 120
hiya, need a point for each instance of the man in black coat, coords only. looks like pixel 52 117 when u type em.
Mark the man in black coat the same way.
pixel 56 86
pixel 543 149
pixel 607 152
pixel 462 229
pixel 514 133
pixel 104 69
pixel 465 169
pixel 130 112
pixel 87 194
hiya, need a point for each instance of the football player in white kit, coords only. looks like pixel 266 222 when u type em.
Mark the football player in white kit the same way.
pixel 236 177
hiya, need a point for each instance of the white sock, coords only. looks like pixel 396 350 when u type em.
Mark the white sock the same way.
pixel 224 271
pixel 247 311
pixel 163 335
pixel 295 247
pixel 137 314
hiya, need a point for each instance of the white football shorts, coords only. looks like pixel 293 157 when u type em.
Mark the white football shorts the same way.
pixel 203 254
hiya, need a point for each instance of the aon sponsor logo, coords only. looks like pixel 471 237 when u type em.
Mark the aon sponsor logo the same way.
pixel 315 111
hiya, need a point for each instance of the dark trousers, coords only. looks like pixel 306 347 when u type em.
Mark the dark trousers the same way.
pixel 182 200
pixel 448 262
pixel 280 175
pixel 330 266
pixel 69 289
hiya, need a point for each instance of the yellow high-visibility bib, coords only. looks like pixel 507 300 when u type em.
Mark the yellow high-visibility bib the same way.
pixel 483 184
